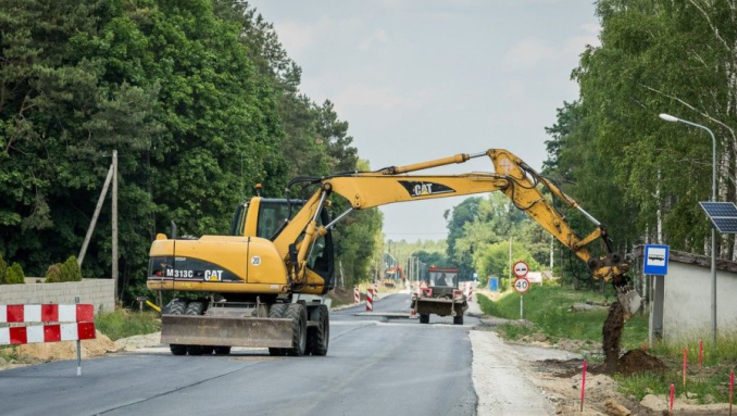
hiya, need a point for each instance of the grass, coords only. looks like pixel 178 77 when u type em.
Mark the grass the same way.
pixel 124 323
pixel 548 308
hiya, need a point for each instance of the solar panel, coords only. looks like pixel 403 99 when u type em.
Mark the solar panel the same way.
pixel 719 209
pixel 723 215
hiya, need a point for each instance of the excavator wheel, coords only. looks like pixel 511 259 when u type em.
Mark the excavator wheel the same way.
pixel 278 310
pixel 458 320
pixel 196 309
pixel 298 314
pixel 207 350
pixel 424 319
pixel 319 336
pixel 176 307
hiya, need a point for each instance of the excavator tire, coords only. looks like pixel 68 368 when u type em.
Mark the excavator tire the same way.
pixel 298 314
pixel 424 319
pixel 458 320
pixel 278 310
pixel 176 307
pixel 207 350
pixel 196 309
pixel 222 350
pixel 319 336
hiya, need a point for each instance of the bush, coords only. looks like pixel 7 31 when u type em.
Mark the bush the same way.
pixel 70 271
pixel 14 275
pixel 3 269
pixel 53 273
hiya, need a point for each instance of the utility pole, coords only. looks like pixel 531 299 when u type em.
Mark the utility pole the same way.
pixel 98 208
pixel 115 226
pixel 510 261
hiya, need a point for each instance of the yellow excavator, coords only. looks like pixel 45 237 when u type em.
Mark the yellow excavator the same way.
pixel 264 285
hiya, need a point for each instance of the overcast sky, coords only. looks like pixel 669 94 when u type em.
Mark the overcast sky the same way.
pixel 419 80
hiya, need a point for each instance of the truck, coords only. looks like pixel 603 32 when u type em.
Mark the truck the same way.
pixel 440 296
pixel 264 284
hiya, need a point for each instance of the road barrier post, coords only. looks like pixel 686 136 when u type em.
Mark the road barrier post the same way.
pixel 369 300
pixel 79 348
pixel 376 291
pixel 356 295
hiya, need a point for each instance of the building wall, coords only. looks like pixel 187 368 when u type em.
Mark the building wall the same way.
pixel 96 291
pixel 687 304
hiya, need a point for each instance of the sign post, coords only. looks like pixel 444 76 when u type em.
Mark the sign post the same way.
pixel 521 285
pixel 655 267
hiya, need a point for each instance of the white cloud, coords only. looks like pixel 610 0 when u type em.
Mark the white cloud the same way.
pixel 382 98
pixel 379 36
pixel 577 44
pixel 527 54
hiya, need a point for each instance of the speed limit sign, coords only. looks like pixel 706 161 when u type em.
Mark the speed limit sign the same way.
pixel 521 285
pixel 520 269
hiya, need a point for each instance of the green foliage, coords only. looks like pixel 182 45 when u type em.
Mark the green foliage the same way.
pixel 3 269
pixel 199 99
pixel 70 271
pixel 124 323
pixel 630 169
pixel 14 275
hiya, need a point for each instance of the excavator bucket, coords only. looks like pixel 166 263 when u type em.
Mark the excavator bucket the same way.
pixel 630 301
pixel 226 331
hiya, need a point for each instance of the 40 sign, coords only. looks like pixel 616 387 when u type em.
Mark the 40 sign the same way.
pixel 520 269
pixel 521 285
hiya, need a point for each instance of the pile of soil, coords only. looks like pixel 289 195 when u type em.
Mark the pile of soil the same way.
pixel 638 361
pixel 67 350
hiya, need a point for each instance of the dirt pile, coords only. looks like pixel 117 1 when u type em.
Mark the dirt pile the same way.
pixel 137 342
pixel 638 361
pixel 612 333
pixel 67 350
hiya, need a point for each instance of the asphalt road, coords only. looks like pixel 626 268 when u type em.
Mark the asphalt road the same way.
pixel 374 366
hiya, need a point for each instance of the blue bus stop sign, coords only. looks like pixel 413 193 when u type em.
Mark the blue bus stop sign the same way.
pixel 493 283
pixel 656 260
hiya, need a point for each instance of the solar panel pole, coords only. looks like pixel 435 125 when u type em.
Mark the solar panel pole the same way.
pixel 668 117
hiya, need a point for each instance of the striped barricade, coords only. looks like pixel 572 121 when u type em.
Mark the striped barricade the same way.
pixel 369 300
pixel 60 323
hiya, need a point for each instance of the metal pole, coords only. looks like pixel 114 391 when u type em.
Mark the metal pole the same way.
pixel 521 309
pixel 510 261
pixel 79 348
pixel 115 226
pixel 713 230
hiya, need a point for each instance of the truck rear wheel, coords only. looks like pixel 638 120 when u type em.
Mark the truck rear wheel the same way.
pixel 424 318
pixel 458 320
pixel 277 310
pixel 195 309
pixel 297 313
pixel 319 336
pixel 176 307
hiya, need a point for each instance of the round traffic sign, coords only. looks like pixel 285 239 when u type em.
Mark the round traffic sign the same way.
pixel 520 269
pixel 521 285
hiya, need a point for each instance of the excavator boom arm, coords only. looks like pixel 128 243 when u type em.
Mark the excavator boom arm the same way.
pixel 394 184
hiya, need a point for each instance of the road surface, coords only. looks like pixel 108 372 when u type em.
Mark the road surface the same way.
pixel 374 366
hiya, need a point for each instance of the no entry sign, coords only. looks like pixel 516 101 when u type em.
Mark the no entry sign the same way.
pixel 520 269
pixel 521 285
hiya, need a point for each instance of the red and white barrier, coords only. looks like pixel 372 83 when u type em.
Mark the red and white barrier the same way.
pixel 376 291
pixel 356 295
pixel 46 313
pixel 470 291
pixel 369 300
pixel 63 323
pixel 47 333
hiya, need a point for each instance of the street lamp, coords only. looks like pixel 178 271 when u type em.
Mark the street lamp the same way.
pixel 672 119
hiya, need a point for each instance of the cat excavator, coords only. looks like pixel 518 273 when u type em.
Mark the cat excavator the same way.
pixel 264 285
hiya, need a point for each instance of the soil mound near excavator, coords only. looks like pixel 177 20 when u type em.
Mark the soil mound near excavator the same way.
pixel 638 361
